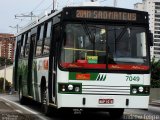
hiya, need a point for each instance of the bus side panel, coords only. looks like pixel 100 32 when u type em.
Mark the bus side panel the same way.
pixel 22 75
pixel 35 81
pixel 39 71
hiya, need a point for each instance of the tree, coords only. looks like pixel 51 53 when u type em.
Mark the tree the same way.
pixel 9 62
pixel 7 84
pixel 155 73
pixel 2 61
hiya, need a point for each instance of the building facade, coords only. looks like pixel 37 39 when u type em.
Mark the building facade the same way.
pixel 7 43
pixel 153 8
pixel 9 73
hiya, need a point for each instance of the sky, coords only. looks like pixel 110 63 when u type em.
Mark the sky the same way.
pixel 11 8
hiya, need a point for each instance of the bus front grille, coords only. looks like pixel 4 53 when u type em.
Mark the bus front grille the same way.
pixel 105 90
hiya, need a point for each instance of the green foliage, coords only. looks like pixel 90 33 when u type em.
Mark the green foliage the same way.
pixel 2 61
pixel 7 84
pixel 9 62
pixel 155 73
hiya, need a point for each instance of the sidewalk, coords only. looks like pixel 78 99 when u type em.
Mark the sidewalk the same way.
pixel 8 93
pixel 155 103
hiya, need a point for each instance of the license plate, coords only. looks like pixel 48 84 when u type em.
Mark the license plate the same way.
pixel 106 101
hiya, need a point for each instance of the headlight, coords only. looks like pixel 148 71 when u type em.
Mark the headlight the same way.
pixel 70 88
pixel 140 89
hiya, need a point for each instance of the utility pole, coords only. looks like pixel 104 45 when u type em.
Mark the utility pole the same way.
pixel 16 27
pixel 31 15
pixel 4 82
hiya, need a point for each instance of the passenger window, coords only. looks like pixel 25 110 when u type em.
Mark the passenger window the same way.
pixel 19 45
pixel 40 41
pixel 33 38
pixel 22 46
pixel 27 45
pixel 46 46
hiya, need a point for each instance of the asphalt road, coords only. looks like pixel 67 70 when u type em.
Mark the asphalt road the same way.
pixel 10 109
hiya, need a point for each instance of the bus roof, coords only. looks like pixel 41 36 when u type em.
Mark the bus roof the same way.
pixel 47 16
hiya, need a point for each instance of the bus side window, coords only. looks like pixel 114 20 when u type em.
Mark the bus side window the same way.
pixel 33 38
pixel 46 44
pixel 22 46
pixel 18 46
pixel 39 41
pixel 27 45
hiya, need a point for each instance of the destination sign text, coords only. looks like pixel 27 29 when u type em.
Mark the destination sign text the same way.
pixel 108 15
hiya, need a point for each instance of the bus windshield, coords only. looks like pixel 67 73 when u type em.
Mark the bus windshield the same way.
pixel 93 46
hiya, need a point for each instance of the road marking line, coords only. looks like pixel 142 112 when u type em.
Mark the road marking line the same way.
pixel 20 106
pixel 19 111
pixel 7 104
pixel 32 112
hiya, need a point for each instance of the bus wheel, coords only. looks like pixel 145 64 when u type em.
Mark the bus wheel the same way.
pixel 116 114
pixel 45 108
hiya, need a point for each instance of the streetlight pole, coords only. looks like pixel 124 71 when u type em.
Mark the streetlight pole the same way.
pixel 31 15
pixel 4 82
pixel 17 27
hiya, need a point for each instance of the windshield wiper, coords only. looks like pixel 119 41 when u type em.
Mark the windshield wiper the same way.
pixel 87 31
pixel 90 35
pixel 121 34
pixel 117 39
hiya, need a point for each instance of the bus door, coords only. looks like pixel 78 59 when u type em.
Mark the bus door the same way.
pixel 17 56
pixel 53 59
pixel 30 61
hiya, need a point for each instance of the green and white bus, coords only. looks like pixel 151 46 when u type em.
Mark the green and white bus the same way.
pixel 71 59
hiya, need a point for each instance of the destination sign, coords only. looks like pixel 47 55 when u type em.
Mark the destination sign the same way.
pixel 108 15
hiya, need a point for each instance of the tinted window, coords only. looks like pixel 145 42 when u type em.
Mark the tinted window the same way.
pixel 39 41
pixel 23 46
pixel 27 45
pixel 46 46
